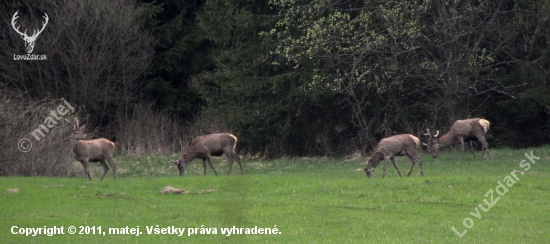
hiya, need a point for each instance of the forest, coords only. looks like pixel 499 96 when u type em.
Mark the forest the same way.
pixel 287 77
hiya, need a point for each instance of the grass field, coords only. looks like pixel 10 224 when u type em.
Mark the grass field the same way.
pixel 306 200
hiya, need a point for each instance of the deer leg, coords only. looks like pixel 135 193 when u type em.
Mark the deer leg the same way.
pixel 472 150
pixel 230 159
pixel 113 166
pixel 238 159
pixel 485 146
pixel 86 172
pixel 395 165
pixel 461 141
pixel 211 166
pixel 105 168
pixel 419 164
pixel 204 165
pixel 385 166
pixel 411 160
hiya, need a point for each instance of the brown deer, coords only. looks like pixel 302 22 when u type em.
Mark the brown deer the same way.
pixel 388 148
pixel 204 147
pixel 98 150
pixel 461 130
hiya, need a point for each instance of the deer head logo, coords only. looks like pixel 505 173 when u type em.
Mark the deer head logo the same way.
pixel 29 40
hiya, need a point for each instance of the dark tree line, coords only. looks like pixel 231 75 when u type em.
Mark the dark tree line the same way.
pixel 96 54
pixel 316 77
pixel 287 77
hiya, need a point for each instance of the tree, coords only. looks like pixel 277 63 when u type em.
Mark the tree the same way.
pixel 272 109
pixel 401 65
pixel 181 50
pixel 523 120
pixel 96 54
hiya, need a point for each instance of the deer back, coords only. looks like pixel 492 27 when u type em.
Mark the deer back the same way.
pixel 94 149
pixel 213 144
pixel 398 144
pixel 469 127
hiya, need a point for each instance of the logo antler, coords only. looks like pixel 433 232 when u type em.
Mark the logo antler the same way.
pixel 29 40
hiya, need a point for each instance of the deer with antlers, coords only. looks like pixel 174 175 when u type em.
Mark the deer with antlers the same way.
pixel 461 130
pixel 29 40
pixel 98 150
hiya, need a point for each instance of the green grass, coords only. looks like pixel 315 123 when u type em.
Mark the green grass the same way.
pixel 309 200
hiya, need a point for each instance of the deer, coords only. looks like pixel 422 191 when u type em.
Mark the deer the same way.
pixel 388 148
pixel 204 147
pixel 29 40
pixel 97 150
pixel 461 130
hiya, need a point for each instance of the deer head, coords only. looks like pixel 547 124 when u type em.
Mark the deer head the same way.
pixel 432 145
pixel 181 164
pixel 29 40
pixel 78 131
pixel 369 169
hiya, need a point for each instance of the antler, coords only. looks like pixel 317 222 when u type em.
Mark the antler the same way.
pixel 430 136
pixel 427 132
pixel 43 26
pixel 13 24
pixel 34 33
pixel 76 125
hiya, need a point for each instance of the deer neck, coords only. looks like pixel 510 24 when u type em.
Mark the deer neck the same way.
pixel 74 143
pixel 375 158
pixel 446 139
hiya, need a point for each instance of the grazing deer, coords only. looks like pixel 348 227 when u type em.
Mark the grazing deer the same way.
pixel 210 145
pixel 388 148
pixel 461 130
pixel 98 150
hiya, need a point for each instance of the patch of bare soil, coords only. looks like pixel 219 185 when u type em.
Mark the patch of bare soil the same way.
pixel 169 189
pixel 12 191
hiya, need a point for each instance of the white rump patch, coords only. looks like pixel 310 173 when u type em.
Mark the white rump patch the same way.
pixel 485 124
pixel 235 144
pixel 415 139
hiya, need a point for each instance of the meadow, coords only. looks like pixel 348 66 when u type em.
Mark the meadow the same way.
pixel 297 200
